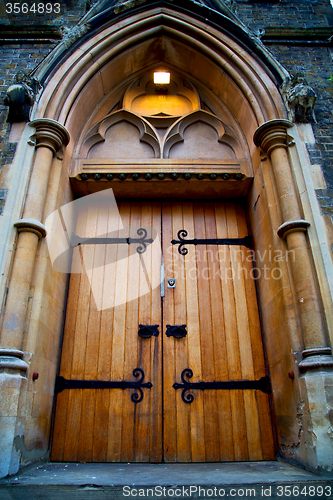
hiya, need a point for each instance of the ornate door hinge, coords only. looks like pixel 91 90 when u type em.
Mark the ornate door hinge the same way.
pixel 138 385
pixel 142 241
pixel 260 385
pixel 246 241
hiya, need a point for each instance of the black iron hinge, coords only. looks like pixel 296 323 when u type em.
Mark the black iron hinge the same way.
pixel 260 385
pixel 138 385
pixel 246 241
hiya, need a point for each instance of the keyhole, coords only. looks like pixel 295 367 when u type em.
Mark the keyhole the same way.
pixel 171 283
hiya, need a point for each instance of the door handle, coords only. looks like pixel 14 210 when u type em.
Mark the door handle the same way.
pixel 177 331
pixel 147 331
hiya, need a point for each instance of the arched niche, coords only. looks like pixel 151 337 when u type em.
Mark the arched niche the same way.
pixel 121 135
pixel 125 135
pixel 178 98
pixel 202 135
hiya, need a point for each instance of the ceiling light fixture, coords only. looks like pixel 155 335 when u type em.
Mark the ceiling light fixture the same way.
pixel 161 78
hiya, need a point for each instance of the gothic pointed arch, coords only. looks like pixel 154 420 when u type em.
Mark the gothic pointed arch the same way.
pixel 225 94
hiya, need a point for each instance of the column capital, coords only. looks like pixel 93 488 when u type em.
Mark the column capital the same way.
pixel 50 134
pixel 272 134
pixel 291 226
pixel 31 226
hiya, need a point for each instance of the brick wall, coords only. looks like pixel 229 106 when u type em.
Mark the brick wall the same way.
pixel 14 58
pixel 26 56
pixel 313 56
pixel 301 14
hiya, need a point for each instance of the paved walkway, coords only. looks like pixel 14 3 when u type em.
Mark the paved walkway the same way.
pixel 76 481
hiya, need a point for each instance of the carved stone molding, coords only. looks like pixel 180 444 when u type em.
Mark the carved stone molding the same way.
pixel 147 132
pixel 20 97
pixel 70 35
pixel 31 226
pixel 292 225
pixel 299 98
pixel 173 135
pixel 273 134
pixel 50 134
pixel 12 360
pixel 318 358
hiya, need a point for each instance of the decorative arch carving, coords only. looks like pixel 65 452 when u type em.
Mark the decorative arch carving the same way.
pixel 161 146
pixel 176 133
pixel 98 134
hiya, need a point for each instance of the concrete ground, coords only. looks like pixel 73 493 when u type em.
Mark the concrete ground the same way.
pixel 79 481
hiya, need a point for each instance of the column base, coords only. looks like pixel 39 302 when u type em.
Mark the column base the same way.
pixel 315 447
pixel 12 378
pixel 316 359
pixel 11 360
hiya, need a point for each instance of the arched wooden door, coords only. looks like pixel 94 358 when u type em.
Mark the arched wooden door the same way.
pixel 208 324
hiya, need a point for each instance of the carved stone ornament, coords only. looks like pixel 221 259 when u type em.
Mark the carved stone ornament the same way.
pixel 299 98
pixel 70 35
pixel 20 97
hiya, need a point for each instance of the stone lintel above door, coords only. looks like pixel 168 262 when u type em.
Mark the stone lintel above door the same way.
pixel 163 177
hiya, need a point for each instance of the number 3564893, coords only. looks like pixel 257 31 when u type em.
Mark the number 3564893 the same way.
pixel 33 8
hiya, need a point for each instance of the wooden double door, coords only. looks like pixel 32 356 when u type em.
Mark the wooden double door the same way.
pixel 213 302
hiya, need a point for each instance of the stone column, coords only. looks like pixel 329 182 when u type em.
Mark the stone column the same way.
pixel 50 138
pixel 273 138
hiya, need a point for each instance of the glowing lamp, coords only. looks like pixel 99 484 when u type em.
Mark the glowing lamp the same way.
pixel 161 77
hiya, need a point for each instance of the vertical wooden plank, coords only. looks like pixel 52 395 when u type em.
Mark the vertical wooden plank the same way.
pixel 194 348
pixel 212 451
pixel 260 400
pixel 266 430
pixel 155 438
pixel 62 401
pixel 118 344
pixel 142 444
pixel 103 358
pixel 251 298
pixel 246 355
pixel 91 338
pixel 231 332
pixel 180 346
pixel 224 422
pixel 169 394
pixel 129 415
pixel 73 430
